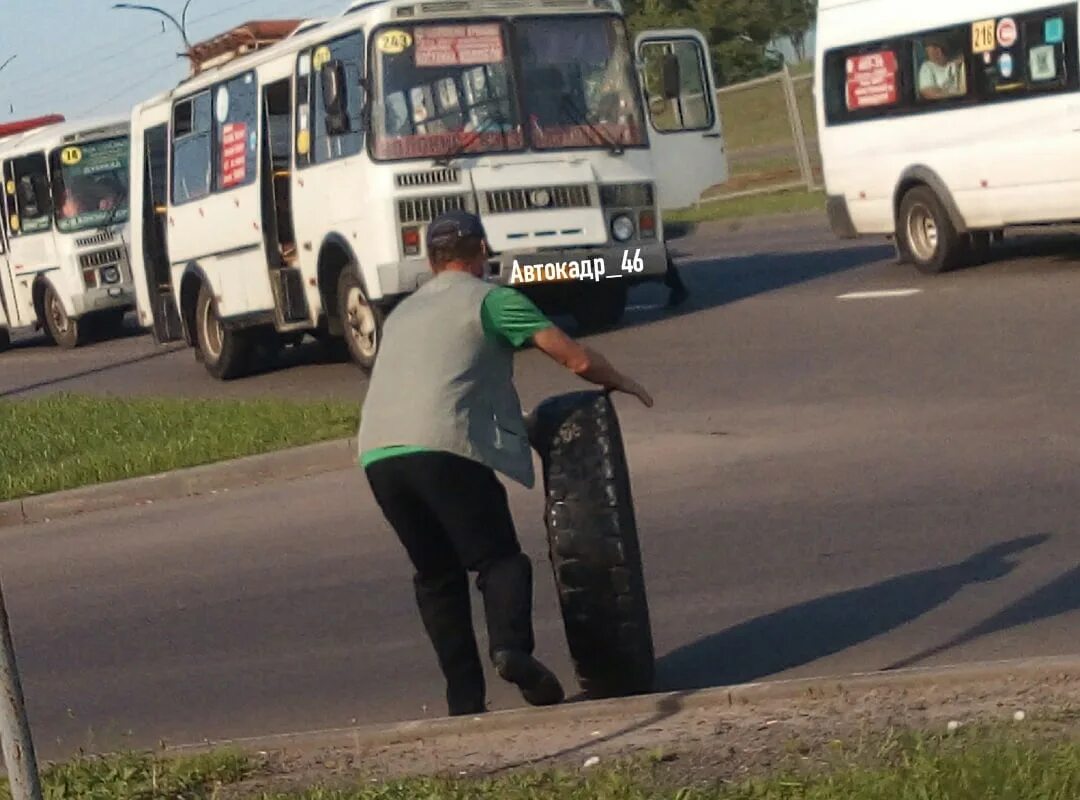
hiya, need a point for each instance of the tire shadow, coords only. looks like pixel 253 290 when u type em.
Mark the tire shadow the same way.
pixel 805 633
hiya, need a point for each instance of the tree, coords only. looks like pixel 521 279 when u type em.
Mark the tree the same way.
pixel 739 32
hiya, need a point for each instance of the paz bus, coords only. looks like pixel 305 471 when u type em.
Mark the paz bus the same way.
pixel 285 191
pixel 943 123
pixel 63 250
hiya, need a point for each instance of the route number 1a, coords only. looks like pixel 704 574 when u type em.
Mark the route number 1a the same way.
pixel 632 265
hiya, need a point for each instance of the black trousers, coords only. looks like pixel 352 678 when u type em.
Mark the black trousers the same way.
pixel 453 517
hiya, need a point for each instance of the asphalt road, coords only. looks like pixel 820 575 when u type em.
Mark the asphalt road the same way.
pixel 825 485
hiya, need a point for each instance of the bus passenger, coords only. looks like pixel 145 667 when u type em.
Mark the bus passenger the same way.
pixel 940 76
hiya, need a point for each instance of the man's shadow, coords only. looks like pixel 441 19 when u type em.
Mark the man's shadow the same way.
pixel 810 631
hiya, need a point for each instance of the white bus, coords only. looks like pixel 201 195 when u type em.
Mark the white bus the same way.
pixel 286 191
pixel 63 252
pixel 943 123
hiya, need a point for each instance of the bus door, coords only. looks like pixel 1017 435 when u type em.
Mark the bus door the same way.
pixel 680 98
pixel 150 245
pixel 215 213
pixel 31 246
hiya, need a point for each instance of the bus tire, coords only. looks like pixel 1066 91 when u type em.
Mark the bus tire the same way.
pixel 596 308
pixel 224 353
pixel 5 339
pixel 65 332
pixel 925 234
pixel 361 320
pixel 593 544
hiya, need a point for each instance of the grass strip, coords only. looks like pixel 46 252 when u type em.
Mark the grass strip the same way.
pixel 919 769
pixel 67 441
pixel 787 202
pixel 984 764
pixel 141 777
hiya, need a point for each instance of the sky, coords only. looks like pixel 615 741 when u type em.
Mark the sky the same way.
pixel 83 59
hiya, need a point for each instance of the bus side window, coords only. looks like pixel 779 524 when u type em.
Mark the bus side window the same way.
pixel 348 53
pixel 191 149
pixel 236 110
pixel 676 85
pixel 29 195
pixel 940 65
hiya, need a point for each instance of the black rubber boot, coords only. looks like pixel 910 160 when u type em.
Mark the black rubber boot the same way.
pixel 447 615
pixel 537 683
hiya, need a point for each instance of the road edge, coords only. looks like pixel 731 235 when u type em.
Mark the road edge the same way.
pixel 668 703
pixel 289 464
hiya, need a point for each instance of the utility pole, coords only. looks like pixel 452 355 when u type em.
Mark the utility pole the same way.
pixel 18 745
pixel 179 24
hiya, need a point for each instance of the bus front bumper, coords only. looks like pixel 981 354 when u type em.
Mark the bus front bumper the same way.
pixel 105 298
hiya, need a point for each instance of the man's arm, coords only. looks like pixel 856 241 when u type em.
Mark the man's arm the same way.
pixel 587 363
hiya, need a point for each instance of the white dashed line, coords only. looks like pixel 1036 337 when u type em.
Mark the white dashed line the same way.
pixel 884 293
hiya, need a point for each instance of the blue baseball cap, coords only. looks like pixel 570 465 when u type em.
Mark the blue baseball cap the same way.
pixel 453 226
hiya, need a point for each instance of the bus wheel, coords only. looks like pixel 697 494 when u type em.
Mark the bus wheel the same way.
pixel 65 332
pixel 5 339
pixel 361 320
pixel 595 308
pixel 926 235
pixel 224 353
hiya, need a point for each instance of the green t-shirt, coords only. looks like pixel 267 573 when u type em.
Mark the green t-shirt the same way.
pixel 507 316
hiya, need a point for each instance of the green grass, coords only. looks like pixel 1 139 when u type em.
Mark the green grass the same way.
pixel 68 441
pixel 141 777
pixel 980 764
pixel 754 206
pixel 980 769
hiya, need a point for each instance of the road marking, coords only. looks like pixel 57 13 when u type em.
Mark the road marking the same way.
pixel 882 293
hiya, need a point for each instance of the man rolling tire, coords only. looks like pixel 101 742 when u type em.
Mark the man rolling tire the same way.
pixel 441 419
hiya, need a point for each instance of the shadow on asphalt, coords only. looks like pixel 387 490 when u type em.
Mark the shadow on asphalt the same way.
pixel 803 634
pixel 1060 596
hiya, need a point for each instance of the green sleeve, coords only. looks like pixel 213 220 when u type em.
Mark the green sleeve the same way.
pixel 509 315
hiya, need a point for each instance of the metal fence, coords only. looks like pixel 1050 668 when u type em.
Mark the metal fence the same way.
pixel 770 132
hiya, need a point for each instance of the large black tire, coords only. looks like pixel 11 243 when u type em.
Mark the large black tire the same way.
pixel 361 319
pixel 593 544
pixel 65 332
pixel 226 354
pixel 5 339
pixel 925 234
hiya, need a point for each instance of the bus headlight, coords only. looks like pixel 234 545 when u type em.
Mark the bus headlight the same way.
pixel 622 228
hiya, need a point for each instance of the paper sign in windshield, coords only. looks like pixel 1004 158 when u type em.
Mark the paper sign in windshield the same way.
pixel 871 80
pixel 454 45
pixel 233 154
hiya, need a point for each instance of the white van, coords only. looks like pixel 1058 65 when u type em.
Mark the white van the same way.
pixel 942 123
pixel 63 252
pixel 287 190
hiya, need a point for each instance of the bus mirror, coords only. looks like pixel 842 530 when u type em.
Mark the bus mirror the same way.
pixel 42 193
pixel 672 79
pixel 335 98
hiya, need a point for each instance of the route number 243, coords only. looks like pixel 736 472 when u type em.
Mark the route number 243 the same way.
pixel 636 264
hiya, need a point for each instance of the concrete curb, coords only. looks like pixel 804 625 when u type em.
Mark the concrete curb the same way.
pixel 288 464
pixel 667 703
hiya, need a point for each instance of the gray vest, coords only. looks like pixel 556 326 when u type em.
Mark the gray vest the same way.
pixel 440 383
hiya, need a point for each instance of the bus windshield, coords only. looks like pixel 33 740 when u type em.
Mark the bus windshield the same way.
pixel 578 83
pixel 444 89
pixel 90 184
pixel 450 88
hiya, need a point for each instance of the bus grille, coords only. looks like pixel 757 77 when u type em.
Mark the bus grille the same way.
pixel 435 177
pixel 91 241
pixel 101 258
pixel 425 209
pixel 502 201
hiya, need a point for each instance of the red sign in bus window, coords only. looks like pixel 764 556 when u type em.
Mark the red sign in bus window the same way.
pixel 871 80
